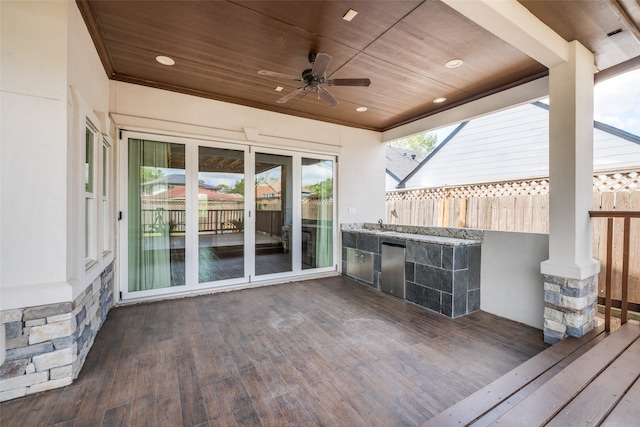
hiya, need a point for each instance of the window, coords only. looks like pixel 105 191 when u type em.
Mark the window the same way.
pixel 97 195
pixel 91 197
pixel 90 213
pixel 105 197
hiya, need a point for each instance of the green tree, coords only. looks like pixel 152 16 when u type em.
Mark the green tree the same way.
pixel 421 144
pixel 238 188
pixel 149 174
pixel 322 189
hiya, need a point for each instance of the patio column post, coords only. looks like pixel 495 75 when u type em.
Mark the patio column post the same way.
pixel 570 273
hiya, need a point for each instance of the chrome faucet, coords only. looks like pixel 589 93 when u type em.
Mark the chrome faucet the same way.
pixel 380 223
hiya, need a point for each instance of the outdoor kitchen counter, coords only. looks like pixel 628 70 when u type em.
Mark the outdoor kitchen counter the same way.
pixel 442 265
pixel 424 238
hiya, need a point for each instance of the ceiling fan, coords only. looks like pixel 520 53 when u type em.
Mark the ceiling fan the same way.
pixel 315 79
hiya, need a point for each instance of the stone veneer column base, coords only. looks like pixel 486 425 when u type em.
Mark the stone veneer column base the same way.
pixel 48 344
pixel 569 307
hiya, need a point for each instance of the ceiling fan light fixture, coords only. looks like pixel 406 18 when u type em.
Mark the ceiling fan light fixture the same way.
pixel 350 15
pixel 439 100
pixel 361 109
pixel 454 63
pixel 165 60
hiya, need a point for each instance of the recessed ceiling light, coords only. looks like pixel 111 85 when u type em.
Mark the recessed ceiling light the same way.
pixel 350 15
pixel 165 60
pixel 454 63
pixel 439 100
pixel 279 89
pixel 361 109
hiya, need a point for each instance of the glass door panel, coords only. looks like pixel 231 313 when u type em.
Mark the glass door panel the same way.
pixel 273 213
pixel 317 213
pixel 220 214
pixel 156 215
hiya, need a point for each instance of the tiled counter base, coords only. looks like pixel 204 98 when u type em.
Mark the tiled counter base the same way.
pixel 441 273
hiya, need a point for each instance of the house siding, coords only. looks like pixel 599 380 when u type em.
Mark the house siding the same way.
pixel 390 182
pixel 511 144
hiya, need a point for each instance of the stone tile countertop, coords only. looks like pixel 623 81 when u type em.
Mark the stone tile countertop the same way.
pixel 439 235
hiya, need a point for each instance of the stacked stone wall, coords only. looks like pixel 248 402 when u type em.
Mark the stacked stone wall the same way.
pixel 569 307
pixel 47 345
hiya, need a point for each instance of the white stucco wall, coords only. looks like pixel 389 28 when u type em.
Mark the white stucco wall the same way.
pixel 34 148
pixel 511 284
pixel 45 49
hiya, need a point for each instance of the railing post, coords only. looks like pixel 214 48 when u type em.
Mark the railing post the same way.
pixel 625 269
pixel 609 275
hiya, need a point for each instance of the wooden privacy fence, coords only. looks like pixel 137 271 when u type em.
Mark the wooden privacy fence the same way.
pixel 493 206
pixel 524 206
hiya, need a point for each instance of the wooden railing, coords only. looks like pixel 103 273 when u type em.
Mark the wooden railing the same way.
pixel 269 222
pixel 607 301
pixel 210 220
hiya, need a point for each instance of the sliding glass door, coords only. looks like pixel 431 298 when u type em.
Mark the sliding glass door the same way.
pixel 156 220
pixel 273 213
pixel 317 213
pixel 193 221
pixel 220 214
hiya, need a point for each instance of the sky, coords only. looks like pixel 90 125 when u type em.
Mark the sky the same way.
pixel 311 174
pixel 617 102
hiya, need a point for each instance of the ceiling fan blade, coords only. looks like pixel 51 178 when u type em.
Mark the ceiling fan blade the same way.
pixel 326 96
pixel 280 75
pixel 320 64
pixel 349 82
pixel 291 95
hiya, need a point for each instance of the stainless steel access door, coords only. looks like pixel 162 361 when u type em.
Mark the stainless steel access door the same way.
pixel 392 275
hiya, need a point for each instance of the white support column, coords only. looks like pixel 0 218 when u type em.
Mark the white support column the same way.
pixel 570 273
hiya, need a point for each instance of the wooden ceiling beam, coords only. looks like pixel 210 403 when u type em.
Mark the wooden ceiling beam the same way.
pixel 514 24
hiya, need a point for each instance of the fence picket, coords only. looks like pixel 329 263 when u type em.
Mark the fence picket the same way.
pixel 634 251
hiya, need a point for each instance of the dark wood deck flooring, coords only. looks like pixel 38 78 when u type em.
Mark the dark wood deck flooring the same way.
pixel 325 352
pixel 592 381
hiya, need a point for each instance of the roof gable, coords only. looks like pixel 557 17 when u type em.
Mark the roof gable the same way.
pixel 400 162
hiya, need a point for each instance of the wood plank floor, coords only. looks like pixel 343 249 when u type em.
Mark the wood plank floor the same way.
pixel 327 352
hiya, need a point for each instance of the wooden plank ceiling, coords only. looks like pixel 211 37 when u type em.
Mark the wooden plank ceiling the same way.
pixel 401 46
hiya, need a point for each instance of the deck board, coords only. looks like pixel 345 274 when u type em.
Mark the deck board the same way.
pixel 543 404
pixel 316 352
pixel 627 412
pixel 485 400
pixel 576 382
pixel 521 394
pixel 609 386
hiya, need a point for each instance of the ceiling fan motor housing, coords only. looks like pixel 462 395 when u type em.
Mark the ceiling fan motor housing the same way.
pixel 310 79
